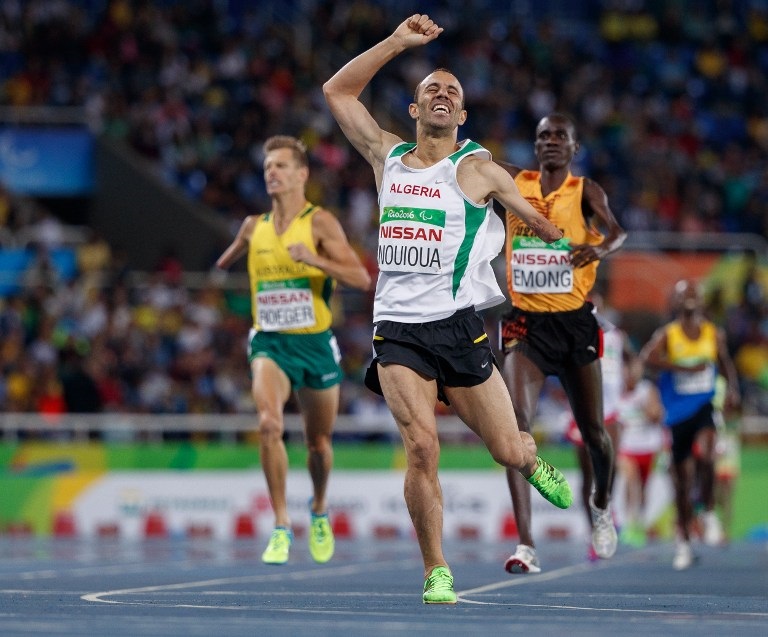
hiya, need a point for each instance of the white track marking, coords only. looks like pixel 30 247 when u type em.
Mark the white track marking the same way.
pixel 570 570
pixel 528 579
pixel 352 569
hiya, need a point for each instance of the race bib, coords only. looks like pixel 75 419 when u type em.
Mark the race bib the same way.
pixel 284 305
pixel 687 383
pixel 411 240
pixel 539 267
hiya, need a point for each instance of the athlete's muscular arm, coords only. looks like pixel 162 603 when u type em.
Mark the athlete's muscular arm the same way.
pixel 334 255
pixel 513 170
pixel 595 208
pixel 728 369
pixel 342 91
pixel 239 245
pixel 653 353
pixel 482 180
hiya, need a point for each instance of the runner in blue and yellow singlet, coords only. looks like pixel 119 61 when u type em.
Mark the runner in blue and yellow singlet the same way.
pixel 296 252
pixel 690 354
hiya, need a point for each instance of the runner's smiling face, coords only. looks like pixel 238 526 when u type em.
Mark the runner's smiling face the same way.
pixel 439 102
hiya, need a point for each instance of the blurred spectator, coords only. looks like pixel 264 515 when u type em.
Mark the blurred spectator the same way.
pixel 751 360
pixel 42 271
pixel 94 257
pixel 663 102
pixel 50 401
pixel 81 395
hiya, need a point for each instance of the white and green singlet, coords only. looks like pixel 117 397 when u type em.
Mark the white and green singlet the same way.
pixel 435 245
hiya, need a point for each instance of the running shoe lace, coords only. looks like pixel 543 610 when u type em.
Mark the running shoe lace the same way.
pixel 319 528
pixel 552 484
pixel 279 539
pixel 439 580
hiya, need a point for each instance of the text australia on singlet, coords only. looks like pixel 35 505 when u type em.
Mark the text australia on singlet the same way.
pixel 541 267
pixel 411 238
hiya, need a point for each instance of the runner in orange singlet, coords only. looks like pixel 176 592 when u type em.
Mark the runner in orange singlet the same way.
pixel 552 330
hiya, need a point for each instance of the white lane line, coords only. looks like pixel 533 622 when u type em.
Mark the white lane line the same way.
pixel 580 568
pixel 707 612
pixel 351 569
pixel 83 571
pixel 529 579
pixel 354 569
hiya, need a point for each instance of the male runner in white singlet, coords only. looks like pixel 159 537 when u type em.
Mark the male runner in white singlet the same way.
pixel 437 235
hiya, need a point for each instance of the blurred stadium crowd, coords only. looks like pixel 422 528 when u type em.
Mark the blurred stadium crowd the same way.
pixel 671 101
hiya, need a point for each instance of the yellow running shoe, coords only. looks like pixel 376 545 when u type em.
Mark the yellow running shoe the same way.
pixel 438 587
pixel 321 540
pixel 278 547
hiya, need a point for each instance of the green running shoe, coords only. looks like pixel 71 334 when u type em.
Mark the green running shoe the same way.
pixel 633 534
pixel 278 547
pixel 438 587
pixel 321 541
pixel 551 484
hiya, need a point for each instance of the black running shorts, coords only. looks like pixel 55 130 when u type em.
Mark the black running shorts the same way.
pixel 553 340
pixel 684 433
pixel 454 351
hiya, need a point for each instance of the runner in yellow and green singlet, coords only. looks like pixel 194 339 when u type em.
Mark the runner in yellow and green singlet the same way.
pixel 295 253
